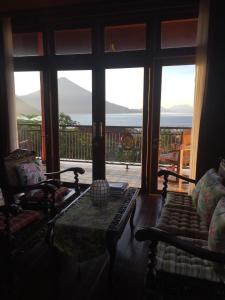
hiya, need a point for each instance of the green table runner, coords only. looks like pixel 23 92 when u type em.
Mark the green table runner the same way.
pixel 81 230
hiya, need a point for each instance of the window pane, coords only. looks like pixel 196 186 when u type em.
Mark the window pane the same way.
pixel 179 33
pixel 123 131
pixel 177 98
pixel 125 38
pixel 29 112
pixel 75 123
pixel 27 44
pixel 75 41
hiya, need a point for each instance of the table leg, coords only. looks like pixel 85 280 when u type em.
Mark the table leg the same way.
pixel 132 219
pixel 111 246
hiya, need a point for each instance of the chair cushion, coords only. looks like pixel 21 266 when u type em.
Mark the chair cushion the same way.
pixel 20 221
pixel 183 222
pixel 216 238
pixel 11 170
pixel 221 170
pixel 30 173
pixel 172 260
pixel 182 201
pixel 211 191
pixel 197 188
pixel 38 195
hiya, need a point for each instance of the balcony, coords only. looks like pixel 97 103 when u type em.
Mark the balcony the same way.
pixel 122 163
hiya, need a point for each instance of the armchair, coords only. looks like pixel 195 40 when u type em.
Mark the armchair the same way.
pixel 23 174
pixel 22 234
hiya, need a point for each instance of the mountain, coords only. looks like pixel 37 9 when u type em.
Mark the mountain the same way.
pixel 25 108
pixel 181 108
pixel 74 99
pixel 184 108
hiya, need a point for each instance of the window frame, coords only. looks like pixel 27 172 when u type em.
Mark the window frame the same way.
pixel 151 59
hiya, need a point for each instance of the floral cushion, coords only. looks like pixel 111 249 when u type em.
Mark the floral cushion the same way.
pixel 221 170
pixel 30 173
pixel 211 191
pixel 196 190
pixel 216 239
pixel 38 195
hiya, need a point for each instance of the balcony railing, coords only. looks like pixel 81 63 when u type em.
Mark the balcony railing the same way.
pixel 75 142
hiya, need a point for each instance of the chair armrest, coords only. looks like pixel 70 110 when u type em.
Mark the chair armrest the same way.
pixel 155 234
pixel 167 173
pixel 73 169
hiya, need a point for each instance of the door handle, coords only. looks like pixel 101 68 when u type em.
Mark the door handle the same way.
pixel 101 129
pixel 94 129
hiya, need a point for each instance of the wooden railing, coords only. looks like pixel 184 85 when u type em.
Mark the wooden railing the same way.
pixel 75 142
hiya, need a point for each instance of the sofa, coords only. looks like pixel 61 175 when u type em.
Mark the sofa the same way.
pixel 187 244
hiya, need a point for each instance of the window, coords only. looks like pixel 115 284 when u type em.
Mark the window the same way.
pixel 125 38
pixel 177 98
pixel 29 111
pixel 28 44
pixel 178 33
pixel 74 41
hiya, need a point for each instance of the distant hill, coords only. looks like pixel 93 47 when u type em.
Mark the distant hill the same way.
pixel 178 109
pixel 23 107
pixel 74 99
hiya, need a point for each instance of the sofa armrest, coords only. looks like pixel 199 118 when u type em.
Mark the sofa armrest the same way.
pixel 166 174
pixel 170 173
pixel 155 234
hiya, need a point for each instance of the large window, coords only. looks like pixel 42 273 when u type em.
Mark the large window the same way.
pixel 96 93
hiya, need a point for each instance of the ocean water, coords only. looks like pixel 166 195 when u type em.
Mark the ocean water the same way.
pixel 135 119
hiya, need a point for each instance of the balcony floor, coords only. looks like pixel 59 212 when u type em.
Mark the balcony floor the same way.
pixel 118 173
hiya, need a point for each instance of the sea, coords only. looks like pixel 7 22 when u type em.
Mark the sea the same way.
pixel 135 119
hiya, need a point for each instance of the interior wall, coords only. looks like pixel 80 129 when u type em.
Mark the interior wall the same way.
pixel 212 127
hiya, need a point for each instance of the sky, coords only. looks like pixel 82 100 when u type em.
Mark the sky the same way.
pixel 124 86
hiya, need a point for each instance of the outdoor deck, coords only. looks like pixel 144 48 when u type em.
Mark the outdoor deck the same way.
pixel 117 172
pixel 122 145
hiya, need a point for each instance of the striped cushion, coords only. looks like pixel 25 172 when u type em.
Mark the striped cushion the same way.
pixel 180 201
pixel 183 222
pixel 20 221
pixel 172 260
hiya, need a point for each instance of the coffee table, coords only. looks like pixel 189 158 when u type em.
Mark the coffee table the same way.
pixel 85 231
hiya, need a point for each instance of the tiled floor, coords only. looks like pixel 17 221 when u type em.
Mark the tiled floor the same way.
pixel 114 172
pixel 118 173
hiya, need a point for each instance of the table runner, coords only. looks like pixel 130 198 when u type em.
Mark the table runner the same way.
pixel 81 230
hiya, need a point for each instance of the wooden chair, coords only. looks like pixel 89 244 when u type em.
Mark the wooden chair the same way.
pixel 22 171
pixel 21 232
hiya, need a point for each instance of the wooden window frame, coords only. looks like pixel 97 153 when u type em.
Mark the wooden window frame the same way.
pixel 151 59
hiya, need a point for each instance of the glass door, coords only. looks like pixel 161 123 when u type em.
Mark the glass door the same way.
pixel 75 123
pixel 30 112
pixel 176 113
pixel 123 119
